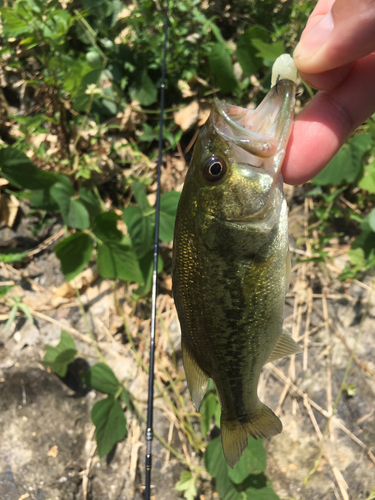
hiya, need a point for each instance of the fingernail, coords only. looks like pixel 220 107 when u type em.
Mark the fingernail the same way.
pixel 315 38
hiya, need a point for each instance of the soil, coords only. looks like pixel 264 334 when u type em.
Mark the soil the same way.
pixel 47 442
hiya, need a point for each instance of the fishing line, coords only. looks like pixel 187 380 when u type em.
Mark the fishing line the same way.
pixel 150 408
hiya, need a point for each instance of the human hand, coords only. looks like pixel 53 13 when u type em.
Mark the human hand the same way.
pixel 335 56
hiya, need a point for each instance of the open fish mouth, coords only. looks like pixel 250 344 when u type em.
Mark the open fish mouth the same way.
pixel 256 141
pixel 264 131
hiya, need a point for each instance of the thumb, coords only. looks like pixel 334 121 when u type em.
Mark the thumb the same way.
pixel 336 36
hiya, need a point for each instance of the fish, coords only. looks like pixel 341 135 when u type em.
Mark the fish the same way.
pixel 231 262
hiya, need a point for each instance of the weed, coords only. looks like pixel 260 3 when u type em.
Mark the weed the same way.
pixel 83 66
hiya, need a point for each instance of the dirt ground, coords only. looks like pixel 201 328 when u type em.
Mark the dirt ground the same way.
pixel 47 444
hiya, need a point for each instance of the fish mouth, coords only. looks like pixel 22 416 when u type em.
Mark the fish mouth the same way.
pixel 264 131
pixel 256 141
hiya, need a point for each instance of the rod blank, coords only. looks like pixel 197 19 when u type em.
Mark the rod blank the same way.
pixel 150 409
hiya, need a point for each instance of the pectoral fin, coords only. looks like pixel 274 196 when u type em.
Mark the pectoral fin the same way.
pixel 285 346
pixel 197 380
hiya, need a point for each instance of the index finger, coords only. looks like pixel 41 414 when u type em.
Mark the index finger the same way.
pixel 336 34
pixel 323 126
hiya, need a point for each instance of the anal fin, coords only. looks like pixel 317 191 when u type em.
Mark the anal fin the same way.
pixel 285 346
pixel 197 380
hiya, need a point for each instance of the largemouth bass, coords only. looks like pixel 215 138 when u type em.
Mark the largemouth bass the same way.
pixel 231 265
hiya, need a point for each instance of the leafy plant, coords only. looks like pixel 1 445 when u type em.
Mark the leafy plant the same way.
pixel 97 60
pixel 210 408
pixel 187 484
pixel 347 175
pixel 372 494
pixel 107 414
pixel 58 358
pixel 118 256
pixel 247 479
pixel 347 165
pixel 16 306
pixel 4 289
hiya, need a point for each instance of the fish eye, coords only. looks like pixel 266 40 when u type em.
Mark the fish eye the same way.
pixel 214 169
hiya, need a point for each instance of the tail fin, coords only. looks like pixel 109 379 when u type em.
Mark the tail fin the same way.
pixel 234 434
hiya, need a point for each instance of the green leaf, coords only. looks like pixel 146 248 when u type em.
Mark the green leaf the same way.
pixel 336 170
pixel 22 173
pixel 246 56
pixel 13 25
pixel 77 74
pixel 110 422
pixel 118 261
pixel 125 397
pixel 252 486
pixel 254 460
pixel 221 66
pixel 146 264
pixel 140 195
pixel 213 458
pixel 187 484
pixel 149 133
pixel 58 358
pixel 351 389
pixel 62 193
pixel 59 22
pixel 42 199
pixel 108 104
pixel 268 51
pixel 258 488
pixel 371 219
pixel 78 217
pixel 346 166
pixel 90 201
pixel 73 211
pixel 359 145
pixel 13 257
pixel 140 229
pixel 144 90
pixel 104 227
pixel 217 416
pixel 366 240
pixel 356 256
pixel 66 342
pixel 4 289
pixel 368 180
pixel 94 58
pixel 217 466
pixel 26 311
pixel 92 4
pixel 11 318
pixel 101 377
pixel 215 30
pixel 61 362
pixel 168 208
pixel 74 253
pixel 207 411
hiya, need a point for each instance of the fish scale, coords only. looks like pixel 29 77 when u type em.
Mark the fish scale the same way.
pixel 231 262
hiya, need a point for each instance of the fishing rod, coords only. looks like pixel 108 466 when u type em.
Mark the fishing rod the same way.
pixel 150 408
